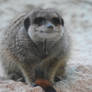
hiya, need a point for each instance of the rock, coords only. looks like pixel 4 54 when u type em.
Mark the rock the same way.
pixel 79 79
pixel 12 86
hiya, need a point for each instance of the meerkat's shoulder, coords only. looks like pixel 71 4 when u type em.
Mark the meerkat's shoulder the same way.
pixel 18 19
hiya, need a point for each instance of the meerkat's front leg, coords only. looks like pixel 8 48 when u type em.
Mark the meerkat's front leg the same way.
pixel 27 71
pixel 48 68
pixel 60 73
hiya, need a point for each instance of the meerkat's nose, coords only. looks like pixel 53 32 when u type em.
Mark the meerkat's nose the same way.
pixel 50 26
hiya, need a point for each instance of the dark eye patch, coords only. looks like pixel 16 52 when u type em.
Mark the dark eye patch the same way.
pixel 39 21
pixel 56 21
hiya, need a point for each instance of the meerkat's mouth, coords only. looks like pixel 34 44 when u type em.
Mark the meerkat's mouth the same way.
pixel 50 31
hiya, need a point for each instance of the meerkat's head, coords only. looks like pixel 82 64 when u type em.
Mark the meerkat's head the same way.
pixel 44 24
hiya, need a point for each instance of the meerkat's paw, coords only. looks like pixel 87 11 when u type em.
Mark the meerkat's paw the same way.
pixel 60 78
pixel 16 77
pixel 57 79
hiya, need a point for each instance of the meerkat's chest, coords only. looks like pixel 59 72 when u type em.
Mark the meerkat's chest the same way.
pixel 46 50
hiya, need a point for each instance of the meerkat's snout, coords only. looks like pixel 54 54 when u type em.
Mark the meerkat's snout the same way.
pixel 50 26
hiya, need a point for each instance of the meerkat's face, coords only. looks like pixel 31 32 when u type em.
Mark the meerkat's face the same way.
pixel 44 24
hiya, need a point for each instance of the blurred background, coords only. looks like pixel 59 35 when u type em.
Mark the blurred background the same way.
pixel 78 21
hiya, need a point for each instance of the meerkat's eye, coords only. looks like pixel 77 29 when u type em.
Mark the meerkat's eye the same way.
pixel 39 21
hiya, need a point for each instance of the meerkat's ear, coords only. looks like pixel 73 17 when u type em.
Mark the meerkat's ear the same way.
pixel 60 17
pixel 62 21
pixel 27 23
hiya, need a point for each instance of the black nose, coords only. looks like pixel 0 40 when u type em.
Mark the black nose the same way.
pixel 50 26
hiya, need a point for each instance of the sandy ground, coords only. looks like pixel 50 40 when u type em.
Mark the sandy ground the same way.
pixel 78 21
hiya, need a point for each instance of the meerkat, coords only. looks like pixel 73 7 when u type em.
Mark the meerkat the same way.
pixel 36 46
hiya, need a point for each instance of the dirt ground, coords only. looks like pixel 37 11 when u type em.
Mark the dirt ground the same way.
pixel 78 21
